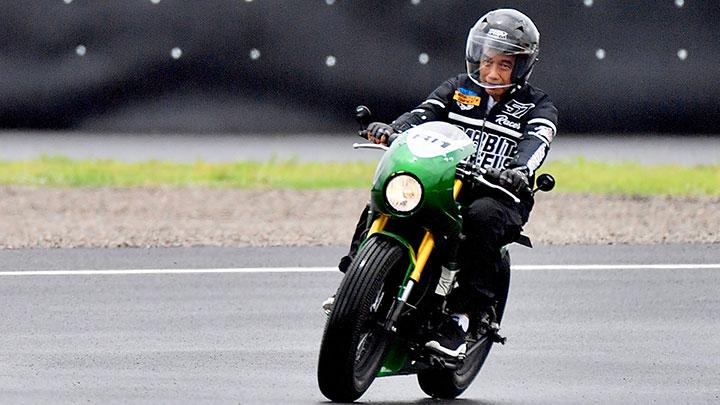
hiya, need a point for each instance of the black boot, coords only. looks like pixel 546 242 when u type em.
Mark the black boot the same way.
pixel 360 232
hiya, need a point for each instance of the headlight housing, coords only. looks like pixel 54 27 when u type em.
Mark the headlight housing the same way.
pixel 403 193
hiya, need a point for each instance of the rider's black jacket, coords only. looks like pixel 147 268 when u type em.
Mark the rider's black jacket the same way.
pixel 514 132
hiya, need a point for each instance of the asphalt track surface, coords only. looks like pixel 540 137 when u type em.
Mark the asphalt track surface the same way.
pixel 637 329
pixel 146 326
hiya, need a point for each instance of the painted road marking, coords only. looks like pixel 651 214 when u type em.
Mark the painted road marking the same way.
pixel 334 269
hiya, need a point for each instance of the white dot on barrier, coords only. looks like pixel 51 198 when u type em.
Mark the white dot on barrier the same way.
pixel 67 1
pixel 176 53
pixel 682 54
pixel 600 54
pixel 424 58
pixel 330 61
pixel 588 3
pixel 415 2
pixel 154 1
pixel 329 2
pixel 80 50
pixel 254 54
pixel 679 3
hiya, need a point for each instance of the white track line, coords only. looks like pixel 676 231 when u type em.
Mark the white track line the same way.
pixel 617 267
pixel 21 273
pixel 167 271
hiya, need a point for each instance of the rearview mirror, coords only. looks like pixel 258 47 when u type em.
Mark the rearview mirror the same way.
pixel 545 182
pixel 362 116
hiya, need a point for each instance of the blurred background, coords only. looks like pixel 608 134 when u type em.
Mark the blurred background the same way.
pixel 261 66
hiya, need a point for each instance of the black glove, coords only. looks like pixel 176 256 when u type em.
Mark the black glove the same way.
pixel 379 132
pixel 514 180
pixel 492 174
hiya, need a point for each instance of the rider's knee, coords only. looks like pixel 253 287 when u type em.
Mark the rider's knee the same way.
pixel 482 218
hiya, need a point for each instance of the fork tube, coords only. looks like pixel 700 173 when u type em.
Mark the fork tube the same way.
pixel 426 247
pixel 379 224
pixel 456 188
pixel 398 306
pixel 428 243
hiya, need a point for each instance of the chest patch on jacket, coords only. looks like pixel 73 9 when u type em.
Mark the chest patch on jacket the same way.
pixel 517 109
pixel 466 99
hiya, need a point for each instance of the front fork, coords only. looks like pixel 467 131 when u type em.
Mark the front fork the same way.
pixel 423 254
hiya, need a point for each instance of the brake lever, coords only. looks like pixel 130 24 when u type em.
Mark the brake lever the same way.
pixel 370 146
pixel 479 178
pixel 482 180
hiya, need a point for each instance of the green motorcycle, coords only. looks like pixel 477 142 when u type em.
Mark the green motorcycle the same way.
pixel 393 294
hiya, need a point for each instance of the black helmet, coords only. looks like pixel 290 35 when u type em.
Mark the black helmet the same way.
pixel 505 31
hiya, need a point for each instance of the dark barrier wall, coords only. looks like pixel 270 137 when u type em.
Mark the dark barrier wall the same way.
pixel 301 66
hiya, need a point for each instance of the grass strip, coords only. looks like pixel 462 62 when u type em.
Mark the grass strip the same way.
pixel 573 175
pixel 65 172
pixel 629 178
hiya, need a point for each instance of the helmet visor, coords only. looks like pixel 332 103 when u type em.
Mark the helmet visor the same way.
pixel 481 45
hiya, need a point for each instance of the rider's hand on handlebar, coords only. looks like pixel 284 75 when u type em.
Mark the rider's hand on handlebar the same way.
pixel 514 180
pixel 379 132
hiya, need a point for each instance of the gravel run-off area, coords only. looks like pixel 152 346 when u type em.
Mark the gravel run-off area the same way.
pixel 154 217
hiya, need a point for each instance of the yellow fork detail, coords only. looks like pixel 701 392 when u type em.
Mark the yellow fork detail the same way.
pixel 456 188
pixel 428 242
pixel 423 254
pixel 426 247
pixel 378 224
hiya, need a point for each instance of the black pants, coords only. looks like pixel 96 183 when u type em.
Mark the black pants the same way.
pixel 488 224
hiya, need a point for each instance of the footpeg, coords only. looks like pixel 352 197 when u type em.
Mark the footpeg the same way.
pixel 448 363
pixel 494 334
pixel 496 338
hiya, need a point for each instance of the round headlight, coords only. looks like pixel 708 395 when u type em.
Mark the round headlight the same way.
pixel 403 193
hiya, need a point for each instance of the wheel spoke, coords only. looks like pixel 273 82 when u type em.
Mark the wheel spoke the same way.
pixel 375 305
pixel 361 347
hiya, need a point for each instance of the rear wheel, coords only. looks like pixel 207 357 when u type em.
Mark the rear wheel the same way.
pixel 448 384
pixel 354 343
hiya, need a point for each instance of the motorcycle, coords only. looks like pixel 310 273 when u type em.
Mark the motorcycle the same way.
pixel 392 297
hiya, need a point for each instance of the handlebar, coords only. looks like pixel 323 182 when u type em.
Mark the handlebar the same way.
pixel 482 180
pixel 469 172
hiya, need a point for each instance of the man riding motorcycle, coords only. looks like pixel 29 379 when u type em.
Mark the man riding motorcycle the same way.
pixel 512 124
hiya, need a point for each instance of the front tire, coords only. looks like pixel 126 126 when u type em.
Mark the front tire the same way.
pixel 354 344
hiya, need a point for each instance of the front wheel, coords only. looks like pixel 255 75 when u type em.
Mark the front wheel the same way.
pixel 354 343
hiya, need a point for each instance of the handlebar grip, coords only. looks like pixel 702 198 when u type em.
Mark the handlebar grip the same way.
pixel 363 133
